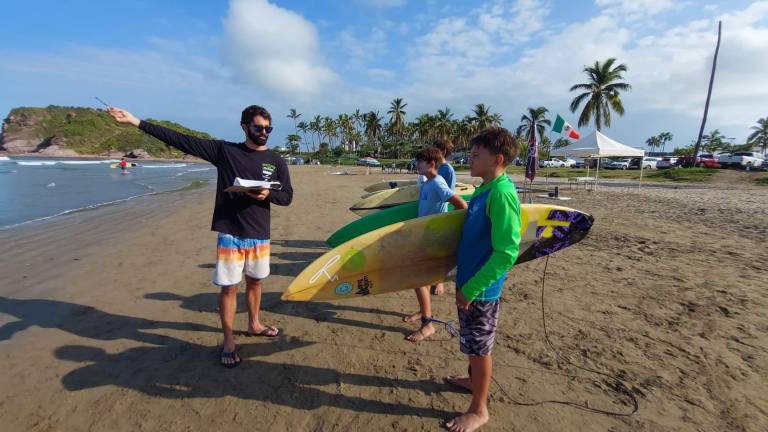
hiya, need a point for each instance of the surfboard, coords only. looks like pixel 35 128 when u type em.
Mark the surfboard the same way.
pixel 129 165
pixel 459 186
pixel 378 219
pixel 422 251
pixel 393 197
pixel 389 184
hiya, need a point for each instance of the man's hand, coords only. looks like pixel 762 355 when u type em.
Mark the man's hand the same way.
pixel 122 116
pixel 259 195
pixel 461 301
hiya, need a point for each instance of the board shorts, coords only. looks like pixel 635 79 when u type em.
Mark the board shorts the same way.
pixel 477 327
pixel 237 254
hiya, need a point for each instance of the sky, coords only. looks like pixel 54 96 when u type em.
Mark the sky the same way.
pixel 200 62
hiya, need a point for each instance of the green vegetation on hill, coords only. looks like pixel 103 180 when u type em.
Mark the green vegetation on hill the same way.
pixel 91 131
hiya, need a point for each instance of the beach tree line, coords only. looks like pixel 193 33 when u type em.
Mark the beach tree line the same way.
pixel 391 133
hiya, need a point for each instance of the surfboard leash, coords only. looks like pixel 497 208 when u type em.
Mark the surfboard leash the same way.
pixel 619 386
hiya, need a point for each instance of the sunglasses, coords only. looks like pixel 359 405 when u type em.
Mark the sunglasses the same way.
pixel 258 128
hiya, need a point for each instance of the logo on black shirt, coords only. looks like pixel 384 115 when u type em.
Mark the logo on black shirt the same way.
pixel 267 171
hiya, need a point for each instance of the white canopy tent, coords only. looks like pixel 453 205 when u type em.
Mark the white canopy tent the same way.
pixel 597 145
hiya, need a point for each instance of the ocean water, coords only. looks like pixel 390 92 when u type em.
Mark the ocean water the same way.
pixel 36 189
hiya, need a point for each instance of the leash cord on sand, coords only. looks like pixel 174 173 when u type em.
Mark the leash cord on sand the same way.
pixel 619 387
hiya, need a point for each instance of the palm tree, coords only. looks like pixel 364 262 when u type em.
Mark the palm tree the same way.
pixel 602 93
pixel 373 129
pixel 652 142
pixel 760 134
pixel 316 127
pixel 329 130
pixel 664 138
pixel 713 141
pixel 536 117
pixel 292 114
pixel 344 123
pixel 482 117
pixel 424 126
pixel 397 116
pixel 443 125
pixel 304 127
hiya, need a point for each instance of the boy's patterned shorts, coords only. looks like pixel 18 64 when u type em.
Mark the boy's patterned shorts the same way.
pixel 477 331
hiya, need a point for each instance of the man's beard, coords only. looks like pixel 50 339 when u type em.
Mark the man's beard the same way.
pixel 259 141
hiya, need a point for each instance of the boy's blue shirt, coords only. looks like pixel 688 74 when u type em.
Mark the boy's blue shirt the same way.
pixel 433 196
pixel 448 174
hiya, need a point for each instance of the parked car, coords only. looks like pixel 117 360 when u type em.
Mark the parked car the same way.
pixel 649 162
pixel 620 164
pixel 571 163
pixel 368 161
pixel 746 160
pixel 552 163
pixel 704 160
pixel 667 162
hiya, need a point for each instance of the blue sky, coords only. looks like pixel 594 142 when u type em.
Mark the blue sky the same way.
pixel 199 62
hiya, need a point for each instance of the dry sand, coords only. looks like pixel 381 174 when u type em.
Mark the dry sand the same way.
pixel 108 322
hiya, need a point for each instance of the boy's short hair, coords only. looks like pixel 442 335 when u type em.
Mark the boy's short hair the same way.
pixel 497 140
pixel 429 154
pixel 445 146
pixel 252 111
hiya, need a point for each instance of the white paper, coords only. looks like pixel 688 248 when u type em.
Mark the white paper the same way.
pixel 243 185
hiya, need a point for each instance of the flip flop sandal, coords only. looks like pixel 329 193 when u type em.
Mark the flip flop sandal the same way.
pixel 231 355
pixel 266 332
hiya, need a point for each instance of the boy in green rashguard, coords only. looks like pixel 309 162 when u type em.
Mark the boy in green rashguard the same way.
pixel 488 248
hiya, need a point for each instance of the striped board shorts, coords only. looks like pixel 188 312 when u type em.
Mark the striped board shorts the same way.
pixel 235 254
pixel 477 327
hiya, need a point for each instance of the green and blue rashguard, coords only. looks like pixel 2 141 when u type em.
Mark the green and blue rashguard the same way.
pixel 490 241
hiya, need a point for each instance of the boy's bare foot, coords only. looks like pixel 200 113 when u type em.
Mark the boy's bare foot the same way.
pixel 467 422
pixel 412 318
pixel 424 332
pixel 464 382
pixel 438 289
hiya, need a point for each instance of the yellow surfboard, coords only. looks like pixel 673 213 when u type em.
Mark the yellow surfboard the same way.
pixel 392 197
pixel 459 187
pixel 422 251
pixel 389 184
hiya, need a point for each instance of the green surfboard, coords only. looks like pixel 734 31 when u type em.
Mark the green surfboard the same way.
pixel 376 220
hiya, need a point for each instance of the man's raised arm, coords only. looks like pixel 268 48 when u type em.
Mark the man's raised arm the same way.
pixel 209 150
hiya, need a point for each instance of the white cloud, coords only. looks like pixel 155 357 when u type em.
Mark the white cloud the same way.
pixel 274 49
pixel 360 50
pixel 489 30
pixel 380 74
pixel 512 22
pixel 668 69
pixel 638 8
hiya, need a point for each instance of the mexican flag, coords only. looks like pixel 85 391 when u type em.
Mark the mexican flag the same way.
pixel 562 127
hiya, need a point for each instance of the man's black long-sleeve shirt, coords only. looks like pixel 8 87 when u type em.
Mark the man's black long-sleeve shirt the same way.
pixel 235 213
